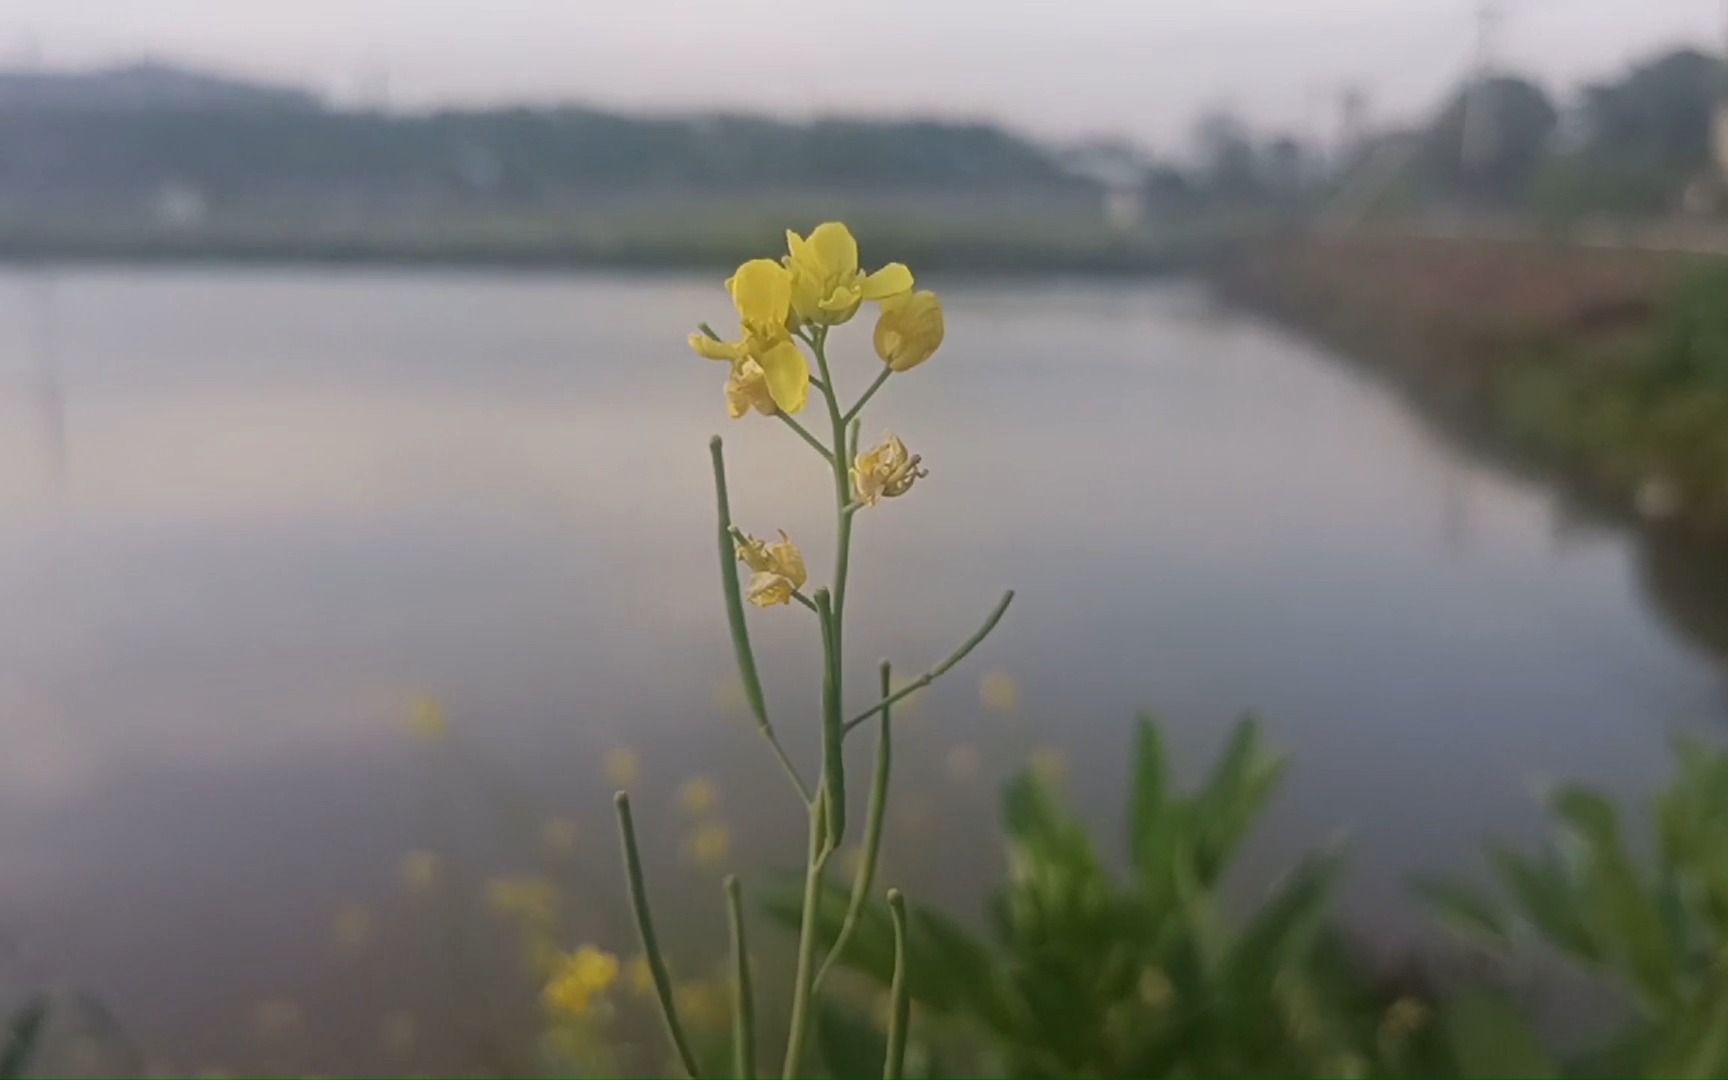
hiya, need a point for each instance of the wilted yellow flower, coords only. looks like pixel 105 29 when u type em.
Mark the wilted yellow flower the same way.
pixel 1050 765
pixel 886 471
pixel 276 1016
pixel 622 766
pixel 529 898
pixel 762 292
pixel 420 870
pixel 426 719
pixel 641 975
pixel 558 836
pixel 999 692
pixel 709 843
pixel 698 795
pixel 398 1031
pixel 578 979
pixel 827 285
pixel 909 330
pixel 963 762
pixel 352 926
pixel 779 570
pixel 747 388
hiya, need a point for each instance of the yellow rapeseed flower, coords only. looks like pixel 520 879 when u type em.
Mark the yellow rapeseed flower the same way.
pixel 762 292
pixel 701 1003
pixel 710 843
pixel 426 719
pixel 579 978
pixel 886 471
pixel 622 766
pixel 698 795
pixel 558 836
pixel 827 285
pixel 641 976
pixel 529 898
pixel 352 926
pixel 909 330
pixel 999 692
pixel 420 870
pixel 779 570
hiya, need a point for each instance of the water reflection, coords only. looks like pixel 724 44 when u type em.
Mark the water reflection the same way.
pixel 296 502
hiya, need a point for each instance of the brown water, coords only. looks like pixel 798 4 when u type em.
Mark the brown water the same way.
pixel 249 515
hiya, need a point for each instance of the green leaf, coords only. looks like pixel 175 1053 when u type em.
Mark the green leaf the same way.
pixel 849 1044
pixel 1489 1037
pixel 1241 783
pixel 1280 936
pixel 1545 898
pixel 1148 812
pixel 22 1032
pixel 1463 910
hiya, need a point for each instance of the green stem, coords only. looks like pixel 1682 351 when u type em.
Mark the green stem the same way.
pixel 802 987
pixel 804 433
pixel 743 999
pixel 747 673
pixel 869 393
pixel 866 874
pixel 650 943
pixel 899 1005
pixel 833 736
pixel 940 669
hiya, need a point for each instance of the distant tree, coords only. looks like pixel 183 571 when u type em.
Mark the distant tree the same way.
pixel 1488 142
pixel 1228 168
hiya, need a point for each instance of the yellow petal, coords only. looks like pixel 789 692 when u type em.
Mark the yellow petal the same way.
pixel 787 561
pixel 762 292
pixel 747 389
pixel 891 280
pixel 834 247
pixel 768 589
pixel 788 375
pixel 909 330
pixel 707 347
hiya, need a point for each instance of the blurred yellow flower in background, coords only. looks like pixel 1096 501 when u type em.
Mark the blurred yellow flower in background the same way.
pixel 701 1003
pixel 352 926
pixel 531 898
pixel 698 795
pixel 709 843
pixel 1050 765
pixel 426 719
pixel 276 1016
pixel 622 766
pixel 641 975
pixel 827 285
pixel 963 762
pixel 779 570
pixel 886 471
pixel 578 978
pixel 999 692
pixel 398 1031
pixel 420 870
pixel 558 836
pixel 909 330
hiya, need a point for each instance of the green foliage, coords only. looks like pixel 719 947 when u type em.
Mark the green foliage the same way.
pixel 1087 972
pixel 1656 932
pixel 21 1035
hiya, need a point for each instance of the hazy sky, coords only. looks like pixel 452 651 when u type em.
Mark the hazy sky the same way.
pixel 1063 68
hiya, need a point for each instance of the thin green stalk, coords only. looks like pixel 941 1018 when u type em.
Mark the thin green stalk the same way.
pixel 940 669
pixel 833 736
pixel 802 987
pixel 650 943
pixel 899 1006
pixel 804 433
pixel 746 656
pixel 743 997
pixel 874 817
pixel 858 407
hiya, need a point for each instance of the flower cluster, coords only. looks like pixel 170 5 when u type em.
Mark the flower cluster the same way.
pixel 816 285
pixel 578 979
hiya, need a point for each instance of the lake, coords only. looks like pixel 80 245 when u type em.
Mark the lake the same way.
pixel 252 515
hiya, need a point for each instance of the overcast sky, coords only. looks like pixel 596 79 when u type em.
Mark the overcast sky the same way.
pixel 1138 68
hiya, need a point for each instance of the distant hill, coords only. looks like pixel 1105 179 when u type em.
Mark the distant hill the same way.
pixel 141 87
pixel 118 140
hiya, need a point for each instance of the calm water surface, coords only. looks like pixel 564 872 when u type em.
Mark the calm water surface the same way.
pixel 249 515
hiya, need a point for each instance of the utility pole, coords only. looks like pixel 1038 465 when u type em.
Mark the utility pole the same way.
pixel 1478 121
